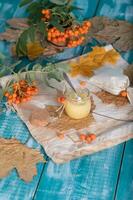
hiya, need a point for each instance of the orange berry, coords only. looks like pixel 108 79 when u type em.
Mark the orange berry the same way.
pixel 123 93
pixel 88 139
pixel 70 33
pixel 22 82
pixel 87 23
pixel 59 39
pixel 62 39
pixel 66 35
pixel 17 102
pixel 43 11
pixel 47 16
pixel 61 33
pixel 29 88
pixel 61 135
pixel 83 83
pixel 15 86
pixel 24 99
pixel 76 33
pixel 6 94
pixel 92 136
pixel 14 95
pixel 74 42
pixel 80 29
pixel 61 99
pixel 82 137
pixel 10 97
pixel 28 92
pixel 28 98
pixel 57 33
pixel 55 40
pixel 82 32
pixel 35 90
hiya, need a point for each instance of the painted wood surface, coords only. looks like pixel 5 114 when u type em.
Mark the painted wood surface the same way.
pixel 125 183
pixel 92 177
pixel 12 187
pixel 107 175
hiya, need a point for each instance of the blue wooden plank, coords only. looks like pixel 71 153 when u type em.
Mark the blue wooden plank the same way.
pixel 116 9
pixel 92 177
pixel 122 10
pixel 125 184
pixel 12 187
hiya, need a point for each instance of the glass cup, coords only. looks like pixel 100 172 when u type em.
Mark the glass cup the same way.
pixel 77 106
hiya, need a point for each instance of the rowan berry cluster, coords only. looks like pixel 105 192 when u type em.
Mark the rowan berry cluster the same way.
pixel 87 138
pixel 46 14
pixel 21 92
pixel 71 37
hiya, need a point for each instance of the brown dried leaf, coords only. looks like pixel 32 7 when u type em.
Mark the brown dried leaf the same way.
pixel 18 23
pixel 10 35
pixel 13 154
pixel 116 32
pixel 107 34
pixel 129 72
pixel 65 123
pixel 108 98
pixel 125 43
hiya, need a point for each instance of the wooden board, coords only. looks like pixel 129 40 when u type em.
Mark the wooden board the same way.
pixel 125 183
pixel 89 178
pixel 12 187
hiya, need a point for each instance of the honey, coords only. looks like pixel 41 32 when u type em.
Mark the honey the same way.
pixel 77 106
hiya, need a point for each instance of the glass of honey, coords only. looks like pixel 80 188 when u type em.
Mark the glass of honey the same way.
pixel 77 105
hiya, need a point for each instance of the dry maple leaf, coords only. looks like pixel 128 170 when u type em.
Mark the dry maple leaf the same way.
pixel 108 98
pixel 116 32
pixel 111 56
pixel 18 23
pixel 96 58
pixel 13 154
pixel 65 123
pixel 129 72
pixel 17 26
pixel 10 35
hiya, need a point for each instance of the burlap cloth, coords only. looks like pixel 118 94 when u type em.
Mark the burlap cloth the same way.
pixel 109 131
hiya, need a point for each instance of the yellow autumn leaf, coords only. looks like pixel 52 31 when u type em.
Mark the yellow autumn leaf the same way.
pixel 86 65
pixel 34 50
pixel 111 57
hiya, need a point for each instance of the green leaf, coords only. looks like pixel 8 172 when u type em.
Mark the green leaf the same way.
pixel 33 7
pixel 25 2
pixel 31 33
pixel 1 94
pixel 59 2
pixel 42 27
pixel 15 64
pixel 2 57
pixel 54 21
pixel 21 46
pixel 71 8
pixel 37 67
